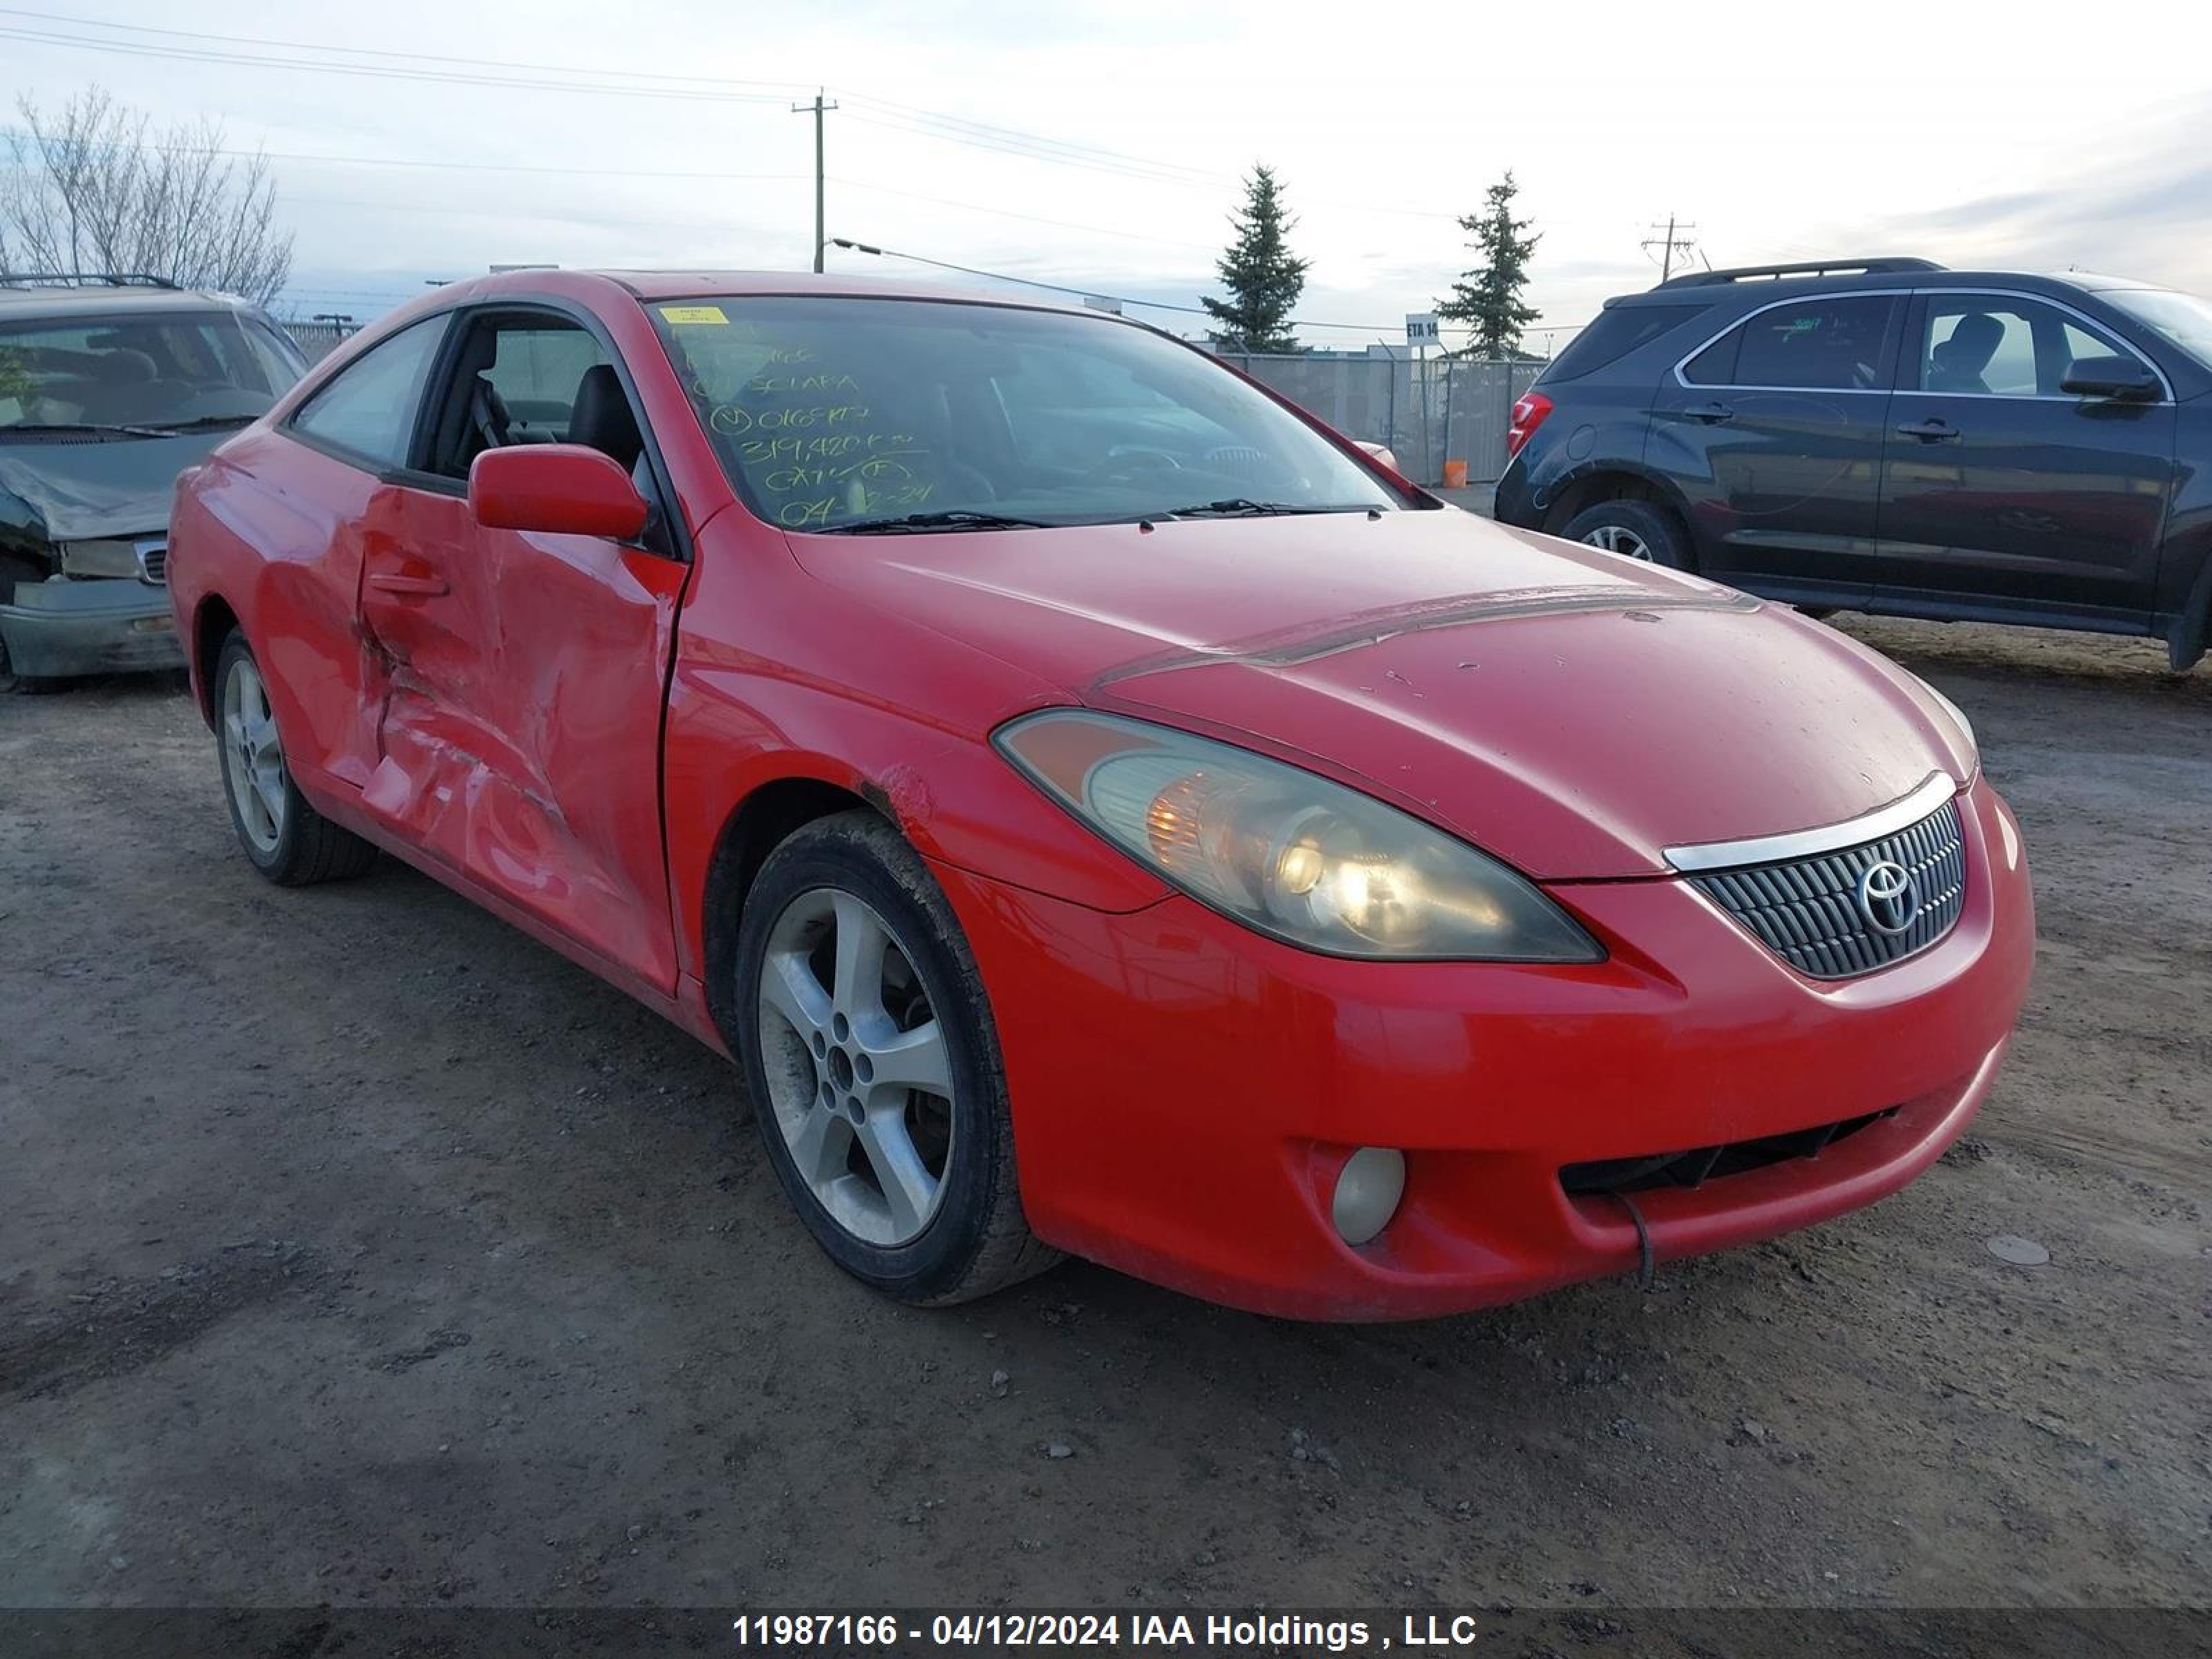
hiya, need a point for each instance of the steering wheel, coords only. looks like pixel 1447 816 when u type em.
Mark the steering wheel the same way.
pixel 1126 465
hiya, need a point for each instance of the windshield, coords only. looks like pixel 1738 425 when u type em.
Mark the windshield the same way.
pixel 139 372
pixel 2183 318
pixel 848 414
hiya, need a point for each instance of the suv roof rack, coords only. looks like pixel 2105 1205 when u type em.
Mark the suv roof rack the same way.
pixel 83 279
pixel 1809 268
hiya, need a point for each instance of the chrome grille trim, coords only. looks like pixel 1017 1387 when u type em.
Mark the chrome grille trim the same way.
pixel 1933 790
pixel 1807 912
pixel 153 563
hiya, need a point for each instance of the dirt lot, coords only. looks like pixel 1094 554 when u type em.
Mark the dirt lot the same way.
pixel 355 1250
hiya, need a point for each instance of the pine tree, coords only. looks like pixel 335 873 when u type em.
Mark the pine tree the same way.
pixel 1263 278
pixel 1488 297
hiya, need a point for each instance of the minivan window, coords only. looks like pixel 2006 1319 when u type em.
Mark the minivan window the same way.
pixel 1615 333
pixel 367 408
pixel 156 371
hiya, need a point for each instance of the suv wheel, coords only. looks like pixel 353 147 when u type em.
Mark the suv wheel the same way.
pixel 1635 530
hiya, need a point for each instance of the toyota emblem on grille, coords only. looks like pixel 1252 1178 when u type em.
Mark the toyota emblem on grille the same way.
pixel 1889 897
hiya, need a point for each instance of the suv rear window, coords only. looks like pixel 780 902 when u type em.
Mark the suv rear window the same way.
pixel 1617 332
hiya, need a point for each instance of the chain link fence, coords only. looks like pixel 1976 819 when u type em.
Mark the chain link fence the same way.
pixel 1427 412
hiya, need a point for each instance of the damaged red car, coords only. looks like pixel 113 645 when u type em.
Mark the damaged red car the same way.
pixel 1101 809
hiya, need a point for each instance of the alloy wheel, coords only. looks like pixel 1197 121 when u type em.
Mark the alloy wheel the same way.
pixel 860 1077
pixel 1618 539
pixel 253 759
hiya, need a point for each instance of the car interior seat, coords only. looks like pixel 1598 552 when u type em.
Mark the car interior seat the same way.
pixel 1956 365
pixel 116 391
pixel 600 418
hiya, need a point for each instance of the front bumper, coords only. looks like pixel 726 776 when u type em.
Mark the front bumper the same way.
pixel 89 627
pixel 1184 1092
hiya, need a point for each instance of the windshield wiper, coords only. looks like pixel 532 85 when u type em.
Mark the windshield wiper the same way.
pixel 1244 507
pixel 87 426
pixel 922 523
pixel 203 423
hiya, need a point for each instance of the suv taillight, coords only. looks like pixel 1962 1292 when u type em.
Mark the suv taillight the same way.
pixel 1528 415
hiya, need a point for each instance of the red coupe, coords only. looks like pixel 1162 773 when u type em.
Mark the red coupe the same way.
pixel 1101 808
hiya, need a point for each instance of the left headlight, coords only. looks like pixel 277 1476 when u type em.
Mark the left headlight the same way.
pixel 1285 852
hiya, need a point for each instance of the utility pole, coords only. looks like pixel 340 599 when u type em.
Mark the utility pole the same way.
pixel 1675 238
pixel 817 106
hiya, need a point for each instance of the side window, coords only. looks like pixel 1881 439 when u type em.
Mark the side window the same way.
pixel 536 377
pixel 535 371
pixel 1834 343
pixel 367 409
pixel 1994 346
pixel 1715 364
pixel 532 378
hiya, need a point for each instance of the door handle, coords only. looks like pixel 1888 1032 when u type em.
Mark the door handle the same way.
pixel 408 584
pixel 1710 414
pixel 1930 431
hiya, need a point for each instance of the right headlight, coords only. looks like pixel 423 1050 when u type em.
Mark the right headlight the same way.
pixel 1285 852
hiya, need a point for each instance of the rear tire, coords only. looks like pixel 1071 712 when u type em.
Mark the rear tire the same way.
pixel 1634 529
pixel 873 1067
pixel 282 836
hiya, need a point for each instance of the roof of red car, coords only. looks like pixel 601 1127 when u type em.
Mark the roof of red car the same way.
pixel 653 285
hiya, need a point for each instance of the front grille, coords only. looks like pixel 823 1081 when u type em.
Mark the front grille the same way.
pixel 1699 1164
pixel 1809 912
pixel 154 563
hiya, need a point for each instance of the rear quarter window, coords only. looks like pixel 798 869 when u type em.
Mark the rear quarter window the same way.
pixel 1617 332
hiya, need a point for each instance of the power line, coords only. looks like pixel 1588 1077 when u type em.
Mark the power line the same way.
pixel 1097 293
pixel 317 159
pixel 544 77
pixel 770 88
pixel 1009 213
pixel 383 72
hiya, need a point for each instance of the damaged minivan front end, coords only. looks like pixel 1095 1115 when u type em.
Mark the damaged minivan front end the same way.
pixel 92 599
pixel 109 389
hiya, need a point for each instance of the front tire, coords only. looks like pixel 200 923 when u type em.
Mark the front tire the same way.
pixel 281 834
pixel 1635 530
pixel 873 1067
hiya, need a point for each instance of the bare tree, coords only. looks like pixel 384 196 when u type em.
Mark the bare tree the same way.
pixel 95 186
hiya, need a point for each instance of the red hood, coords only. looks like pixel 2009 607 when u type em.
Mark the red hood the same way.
pixel 1574 713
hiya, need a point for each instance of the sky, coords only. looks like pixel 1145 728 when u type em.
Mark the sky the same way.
pixel 1101 147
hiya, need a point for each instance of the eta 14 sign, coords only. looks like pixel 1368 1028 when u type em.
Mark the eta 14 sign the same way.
pixel 1421 328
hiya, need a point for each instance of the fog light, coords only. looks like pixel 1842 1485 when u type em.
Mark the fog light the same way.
pixel 1368 1189
pixel 154 625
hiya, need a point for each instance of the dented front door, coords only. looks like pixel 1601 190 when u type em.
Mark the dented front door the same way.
pixel 521 678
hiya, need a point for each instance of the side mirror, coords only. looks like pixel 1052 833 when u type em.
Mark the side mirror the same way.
pixel 564 489
pixel 1380 452
pixel 2122 379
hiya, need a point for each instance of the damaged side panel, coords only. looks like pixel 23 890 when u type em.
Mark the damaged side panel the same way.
pixel 515 684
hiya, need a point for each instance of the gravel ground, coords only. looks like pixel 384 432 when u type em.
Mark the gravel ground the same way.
pixel 355 1250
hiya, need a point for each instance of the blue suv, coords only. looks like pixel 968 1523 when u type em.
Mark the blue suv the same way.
pixel 1888 436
